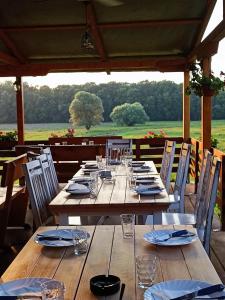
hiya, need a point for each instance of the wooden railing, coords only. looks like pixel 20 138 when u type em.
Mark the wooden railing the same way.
pixel 69 157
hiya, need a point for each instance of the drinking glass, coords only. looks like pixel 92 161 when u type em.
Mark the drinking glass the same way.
pixel 53 290
pixel 146 266
pixel 127 222
pixel 99 161
pixel 80 242
pixel 93 184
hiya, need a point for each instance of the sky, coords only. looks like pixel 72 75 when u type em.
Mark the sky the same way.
pixel 55 79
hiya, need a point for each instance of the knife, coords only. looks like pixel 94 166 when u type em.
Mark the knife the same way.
pixel 52 238
pixel 178 233
pixel 202 292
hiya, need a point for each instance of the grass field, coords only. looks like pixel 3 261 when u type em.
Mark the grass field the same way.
pixel 172 128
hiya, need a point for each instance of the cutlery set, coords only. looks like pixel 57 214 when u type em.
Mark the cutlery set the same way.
pixel 198 294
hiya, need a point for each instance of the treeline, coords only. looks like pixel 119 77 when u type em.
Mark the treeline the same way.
pixel 161 101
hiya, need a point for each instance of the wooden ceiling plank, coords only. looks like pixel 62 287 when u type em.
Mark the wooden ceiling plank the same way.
pixel 151 23
pixel 8 59
pixel 91 18
pixel 11 46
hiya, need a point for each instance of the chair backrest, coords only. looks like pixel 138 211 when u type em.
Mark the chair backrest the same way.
pixel 54 177
pixel 38 192
pixel 204 229
pixel 116 148
pixel 202 186
pixel 167 163
pixel 46 168
pixel 182 173
pixel 13 172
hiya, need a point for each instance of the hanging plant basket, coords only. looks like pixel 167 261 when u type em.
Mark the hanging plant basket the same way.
pixel 206 91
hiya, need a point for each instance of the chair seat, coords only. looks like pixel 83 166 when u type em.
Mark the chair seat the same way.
pixel 174 219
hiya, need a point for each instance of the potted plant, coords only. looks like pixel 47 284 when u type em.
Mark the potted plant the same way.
pixel 204 85
pixel 8 139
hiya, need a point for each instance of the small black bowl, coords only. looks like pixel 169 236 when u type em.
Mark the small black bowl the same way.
pixel 102 285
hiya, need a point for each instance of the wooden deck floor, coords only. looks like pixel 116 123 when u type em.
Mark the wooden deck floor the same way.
pixel 217 254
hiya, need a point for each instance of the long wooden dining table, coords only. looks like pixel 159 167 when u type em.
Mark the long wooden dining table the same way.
pixel 109 253
pixel 112 199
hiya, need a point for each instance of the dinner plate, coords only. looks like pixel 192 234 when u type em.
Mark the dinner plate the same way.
pixel 141 170
pixel 176 288
pixel 61 233
pixel 152 236
pixel 81 179
pixel 150 192
pixel 22 286
pixel 78 189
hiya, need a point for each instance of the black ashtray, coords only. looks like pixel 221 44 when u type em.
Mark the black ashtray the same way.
pixel 102 285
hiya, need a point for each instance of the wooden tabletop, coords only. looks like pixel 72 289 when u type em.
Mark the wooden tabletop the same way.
pixel 109 252
pixel 112 199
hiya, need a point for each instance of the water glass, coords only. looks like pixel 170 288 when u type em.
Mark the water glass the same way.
pixel 53 290
pixel 127 222
pixel 146 266
pixel 99 161
pixel 80 242
pixel 93 184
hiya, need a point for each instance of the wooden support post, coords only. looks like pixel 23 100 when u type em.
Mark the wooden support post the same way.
pixel 206 110
pixel 186 108
pixel 20 109
pixel 222 191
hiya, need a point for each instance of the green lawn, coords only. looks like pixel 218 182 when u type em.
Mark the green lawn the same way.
pixel 172 128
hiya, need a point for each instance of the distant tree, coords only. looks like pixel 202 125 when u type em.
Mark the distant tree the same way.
pixel 129 114
pixel 86 109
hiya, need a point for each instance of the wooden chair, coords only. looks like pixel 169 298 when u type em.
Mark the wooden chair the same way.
pixel 177 198
pixel 167 163
pixel 116 148
pixel 206 198
pixel 167 218
pixel 181 179
pixel 53 186
pixel 13 204
pixel 39 194
pixel 205 223
pixel 53 175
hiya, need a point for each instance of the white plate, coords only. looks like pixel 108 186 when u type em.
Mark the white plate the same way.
pixel 141 170
pixel 78 189
pixel 22 286
pixel 176 288
pixel 64 233
pixel 152 236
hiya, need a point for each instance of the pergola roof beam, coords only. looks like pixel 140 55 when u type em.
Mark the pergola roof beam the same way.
pixel 209 45
pixel 209 10
pixel 135 24
pixel 12 47
pixel 8 59
pixel 152 64
pixel 95 32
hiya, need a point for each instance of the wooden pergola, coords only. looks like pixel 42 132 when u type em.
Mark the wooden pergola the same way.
pixel 42 36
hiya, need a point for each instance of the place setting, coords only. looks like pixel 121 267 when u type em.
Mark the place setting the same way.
pixel 141 169
pixel 33 288
pixel 148 189
pixel 170 237
pixel 64 238
pixel 184 290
